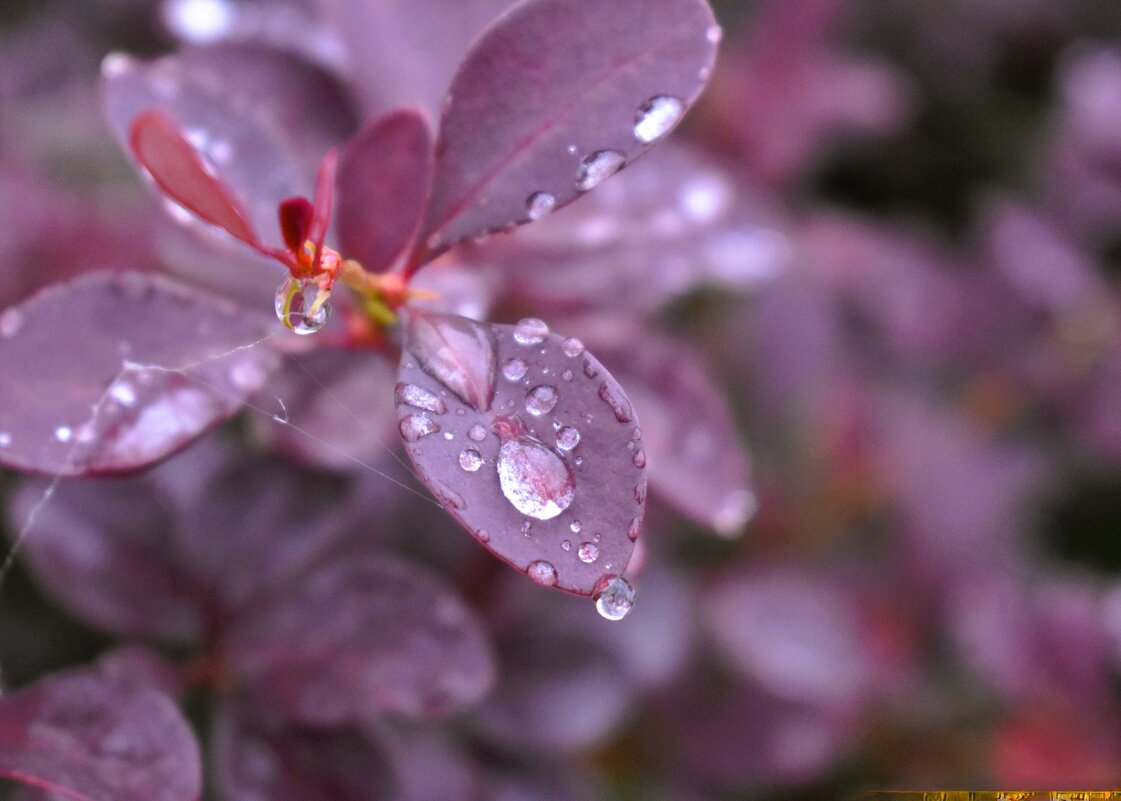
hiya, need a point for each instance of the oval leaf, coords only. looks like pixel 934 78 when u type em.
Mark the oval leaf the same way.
pixel 361 638
pixel 547 87
pixel 552 477
pixel 384 179
pixel 112 372
pixel 91 738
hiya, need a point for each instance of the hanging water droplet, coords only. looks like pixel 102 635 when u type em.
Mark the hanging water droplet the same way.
pixel 470 460
pixel 514 369
pixel 656 117
pixel 598 167
pixel 541 400
pixel 568 438
pixel 530 331
pixel 415 426
pixel 63 433
pixel 633 529
pixel 543 573
pixel 297 307
pixel 539 204
pixel 476 433
pixel 614 597
pixel 639 459
pixel 534 479
pixel 419 397
pixel 588 552
pixel 11 321
pixel 572 347
pixel 619 405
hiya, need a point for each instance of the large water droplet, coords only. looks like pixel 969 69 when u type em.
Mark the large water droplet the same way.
pixel 470 460
pixel 539 204
pixel 568 438
pixel 11 321
pixel 598 167
pixel 534 479
pixel 457 352
pixel 541 400
pixel 297 307
pixel 588 552
pixel 572 347
pixel 530 331
pixel 614 597
pixel 514 369
pixel 620 407
pixel 543 573
pixel 421 398
pixel 656 118
pixel 476 433
pixel 415 426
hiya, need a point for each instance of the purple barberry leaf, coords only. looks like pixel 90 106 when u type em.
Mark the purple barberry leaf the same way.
pixel 550 474
pixel 90 738
pixel 384 179
pixel 140 666
pixel 261 119
pixel 112 372
pixel 361 638
pixel 554 98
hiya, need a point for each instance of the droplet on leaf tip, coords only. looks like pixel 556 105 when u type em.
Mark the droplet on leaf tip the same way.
pixel 614 597
pixel 656 118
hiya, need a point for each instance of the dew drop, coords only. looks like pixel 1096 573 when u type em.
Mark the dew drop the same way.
pixel 633 529
pixel 656 118
pixel 416 426
pixel 588 552
pixel 63 433
pixel 476 433
pixel 483 535
pixel 640 492
pixel 590 369
pixel 619 405
pixel 572 347
pixel 539 204
pixel 123 393
pixel 639 459
pixel 534 479
pixel 526 526
pixel 11 321
pixel 567 375
pixel 575 526
pixel 543 573
pixel 470 460
pixel 566 545
pixel 449 436
pixel 568 438
pixel 598 167
pixel 579 460
pixel 541 400
pixel 530 331
pixel 614 597
pixel 296 307
pixel 419 397
pixel 514 369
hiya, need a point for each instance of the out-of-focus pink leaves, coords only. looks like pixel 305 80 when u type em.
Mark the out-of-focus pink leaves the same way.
pixel 697 461
pixel 358 639
pixel 91 738
pixel 261 118
pixel 385 176
pixel 110 373
pixel 177 168
pixel 665 226
pixel 553 99
pixel 550 476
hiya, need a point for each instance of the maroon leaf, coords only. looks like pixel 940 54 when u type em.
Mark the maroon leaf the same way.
pixel 384 180
pixel 90 738
pixel 555 97
pixel 550 475
pixel 114 372
pixel 358 639
pixel 163 150
pixel 697 462
pixel 295 215
pixel 263 119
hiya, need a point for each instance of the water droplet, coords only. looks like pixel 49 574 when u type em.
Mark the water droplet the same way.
pixel 470 460
pixel 483 535
pixel 476 433
pixel 614 597
pixel 514 369
pixel 566 545
pixel 579 460
pixel 419 397
pixel 530 331
pixel 5 439
pixel 526 526
pixel 619 405
pixel 656 118
pixel 572 347
pixel 541 400
pixel 575 526
pixel 299 308
pixel 534 479
pixel 598 167
pixel 633 529
pixel 63 433
pixel 567 375
pixel 122 392
pixel 640 492
pixel 543 573
pixel 590 369
pixel 460 412
pixel 415 426
pixel 639 458
pixel 714 33
pixel 588 552
pixel 539 204
pixel 11 321
pixel 449 436
pixel 568 438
